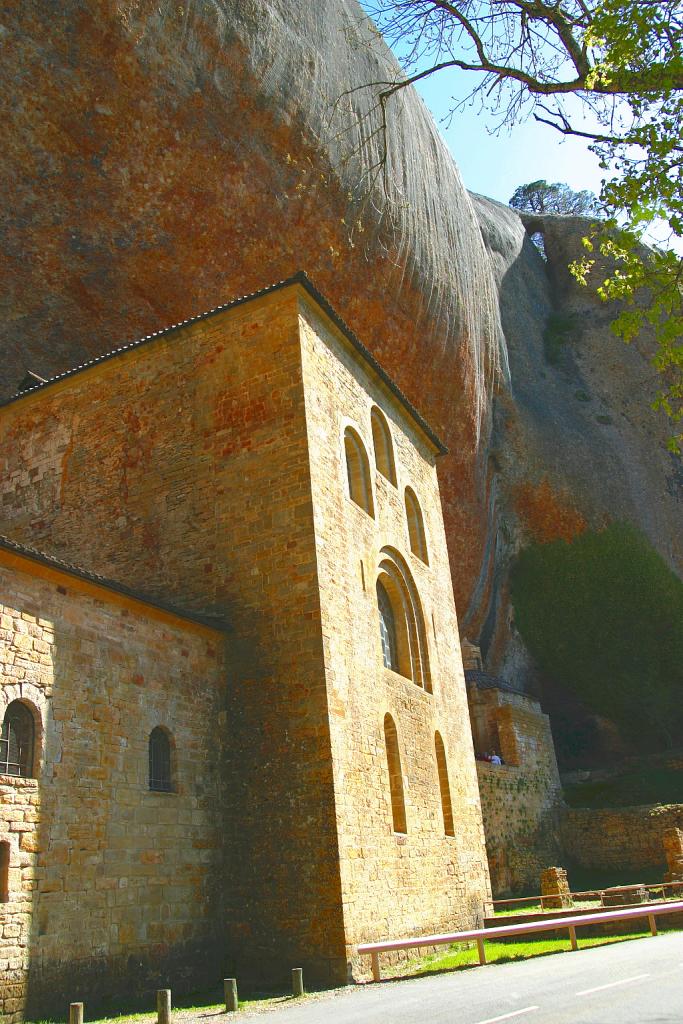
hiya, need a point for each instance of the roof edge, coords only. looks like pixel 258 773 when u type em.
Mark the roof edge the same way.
pixel 303 279
pixel 299 278
pixel 67 569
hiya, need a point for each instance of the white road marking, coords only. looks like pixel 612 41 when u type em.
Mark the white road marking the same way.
pixel 612 984
pixel 507 1016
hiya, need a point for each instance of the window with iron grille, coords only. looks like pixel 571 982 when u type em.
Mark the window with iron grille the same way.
pixel 159 761
pixel 16 741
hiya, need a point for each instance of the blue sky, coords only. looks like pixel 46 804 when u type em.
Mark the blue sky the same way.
pixel 495 165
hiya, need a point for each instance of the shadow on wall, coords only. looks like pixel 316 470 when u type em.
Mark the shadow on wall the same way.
pixel 114 854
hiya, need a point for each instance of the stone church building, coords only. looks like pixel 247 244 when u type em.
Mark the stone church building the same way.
pixel 235 725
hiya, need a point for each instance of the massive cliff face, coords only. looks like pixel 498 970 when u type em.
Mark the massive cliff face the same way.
pixel 575 441
pixel 160 158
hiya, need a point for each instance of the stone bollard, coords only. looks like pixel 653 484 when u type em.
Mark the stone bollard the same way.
pixel 297 981
pixel 230 990
pixel 163 1006
pixel 673 847
pixel 555 889
pixel 75 1013
pixel 672 839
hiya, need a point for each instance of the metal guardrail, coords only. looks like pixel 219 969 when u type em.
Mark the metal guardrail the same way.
pixel 650 911
pixel 596 894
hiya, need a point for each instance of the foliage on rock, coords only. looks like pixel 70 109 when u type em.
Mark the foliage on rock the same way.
pixel 603 616
pixel 543 197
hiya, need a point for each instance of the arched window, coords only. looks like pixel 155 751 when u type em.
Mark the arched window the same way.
pixel 402 634
pixel 16 740
pixel 4 872
pixel 384 449
pixel 442 770
pixel 358 471
pixel 416 529
pixel 398 803
pixel 387 629
pixel 159 760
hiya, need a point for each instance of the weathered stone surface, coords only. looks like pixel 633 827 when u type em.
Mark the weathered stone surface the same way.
pixel 619 838
pixel 555 889
pixel 673 848
pixel 574 444
pixel 521 799
pixel 221 484
pixel 159 159
pixel 80 832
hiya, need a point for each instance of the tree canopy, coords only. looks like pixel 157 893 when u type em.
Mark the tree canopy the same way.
pixel 624 60
pixel 603 616
pixel 542 197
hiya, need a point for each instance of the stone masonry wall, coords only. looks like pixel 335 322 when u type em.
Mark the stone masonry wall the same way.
pixel 112 888
pixel 619 838
pixel 520 799
pixel 392 884
pixel 181 468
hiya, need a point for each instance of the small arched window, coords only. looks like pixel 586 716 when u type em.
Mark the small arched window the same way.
pixel 159 760
pixel 387 629
pixel 16 740
pixel 398 803
pixel 402 633
pixel 384 449
pixel 416 529
pixel 358 471
pixel 4 872
pixel 442 770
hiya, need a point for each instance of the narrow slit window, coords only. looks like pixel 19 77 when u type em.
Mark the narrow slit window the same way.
pixel 384 449
pixel 358 471
pixel 4 872
pixel 17 740
pixel 444 787
pixel 159 761
pixel 398 804
pixel 416 528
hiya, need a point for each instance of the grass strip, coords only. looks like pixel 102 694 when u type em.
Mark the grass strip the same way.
pixel 461 955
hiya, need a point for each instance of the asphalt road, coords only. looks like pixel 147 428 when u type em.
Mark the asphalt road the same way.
pixel 637 982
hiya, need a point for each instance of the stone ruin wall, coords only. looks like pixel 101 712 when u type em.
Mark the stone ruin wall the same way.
pixel 521 800
pixel 620 838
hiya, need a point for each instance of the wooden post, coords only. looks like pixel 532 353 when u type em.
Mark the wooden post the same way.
pixel 163 1006
pixel 376 973
pixel 75 1013
pixel 652 923
pixel 230 990
pixel 572 937
pixel 297 981
pixel 482 951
